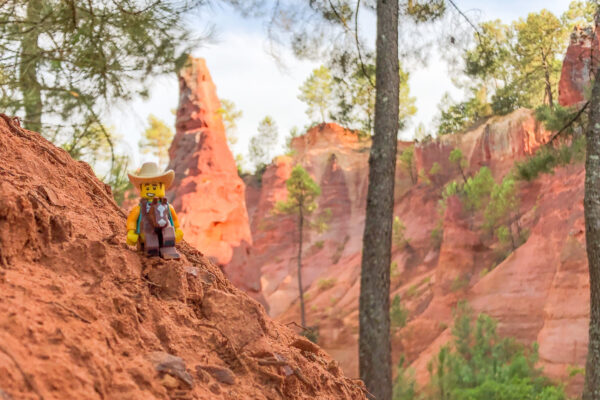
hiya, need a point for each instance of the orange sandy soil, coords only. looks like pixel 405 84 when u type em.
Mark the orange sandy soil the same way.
pixel 83 316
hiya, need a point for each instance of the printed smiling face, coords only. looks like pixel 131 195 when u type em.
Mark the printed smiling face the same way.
pixel 152 190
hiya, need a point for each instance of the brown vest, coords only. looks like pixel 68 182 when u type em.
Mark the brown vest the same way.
pixel 155 215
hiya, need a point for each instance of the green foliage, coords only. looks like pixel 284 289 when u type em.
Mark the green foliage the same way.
pixel 456 117
pixel 412 290
pixel 118 180
pixel 407 162
pixel 92 145
pixel 405 385
pixel 355 92
pixel 263 144
pixel 477 190
pixel 156 140
pixel 302 193
pixel 580 13
pixel 326 283
pixel 398 313
pixel 519 64
pixel 480 365
pixel 459 283
pixel 435 169
pixel 489 59
pixel 321 222
pixel 399 238
pixel 504 202
pixel 437 234
pixel 540 44
pixel 559 117
pixel 311 333
pixel 547 158
pixel 231 116
pixel 70 61
pixel 456 157
pixel 394 269
pixel 319 244
pixel 316 92
pixel 294 132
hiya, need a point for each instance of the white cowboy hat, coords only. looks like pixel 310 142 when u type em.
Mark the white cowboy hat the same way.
pixel 150 173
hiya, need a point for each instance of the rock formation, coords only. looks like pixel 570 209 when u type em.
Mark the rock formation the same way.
pixel 207 193
pixel 538 293
pixel 579 65
pixel 83 316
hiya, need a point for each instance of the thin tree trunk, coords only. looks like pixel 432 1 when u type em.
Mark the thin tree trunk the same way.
pixel 462 172
pixel 591 390
pixel 300 289
pixel 547 79
pixel 374 316
pixel 28 82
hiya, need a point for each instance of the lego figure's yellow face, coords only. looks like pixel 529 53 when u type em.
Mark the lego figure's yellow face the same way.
pixel 153 190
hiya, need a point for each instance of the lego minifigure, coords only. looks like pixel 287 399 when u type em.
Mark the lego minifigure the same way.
pixel 153 224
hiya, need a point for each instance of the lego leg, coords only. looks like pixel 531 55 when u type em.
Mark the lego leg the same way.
pixel 167 250
pixel 168 237
pixel 151 244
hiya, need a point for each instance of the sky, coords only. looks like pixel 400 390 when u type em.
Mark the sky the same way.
pixel 245 73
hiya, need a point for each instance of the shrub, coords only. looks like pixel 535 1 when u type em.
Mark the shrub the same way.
pixel 412 291
pixel 326 283
pixel 479 364
pixel 435 169
pixel 311 333
pixel 437 234
pixel 394 269
pixel 547 158
pixel 398 233
pixel 405 383
pixel 459 283
pixel 398 313
pixel 477 190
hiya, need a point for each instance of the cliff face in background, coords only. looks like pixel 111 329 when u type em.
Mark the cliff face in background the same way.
pixel 581 61
pixel 84 316
pixel 207 192
pixel 538 293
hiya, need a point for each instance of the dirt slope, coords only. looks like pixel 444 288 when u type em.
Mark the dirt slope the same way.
pixel 82 316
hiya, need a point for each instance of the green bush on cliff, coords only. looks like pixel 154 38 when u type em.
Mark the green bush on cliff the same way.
pixel 480 365
pixel 547 158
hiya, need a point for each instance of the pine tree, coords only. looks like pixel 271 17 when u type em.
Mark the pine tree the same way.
pixel 156 140
pixel 316 92
pixel 263 144
pixel 302 193
pixel 66 62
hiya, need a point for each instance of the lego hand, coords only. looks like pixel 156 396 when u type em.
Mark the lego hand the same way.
pixel 132 238
pixel 178 235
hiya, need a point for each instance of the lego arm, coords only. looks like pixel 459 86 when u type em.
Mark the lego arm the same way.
pixel 132 236
pixel 178 232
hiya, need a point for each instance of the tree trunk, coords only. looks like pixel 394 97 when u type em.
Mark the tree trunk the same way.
pixel 28 82
pixel 591 203
pixel 374 316
pixel 547 79
pixel 300 289
pixel 462 172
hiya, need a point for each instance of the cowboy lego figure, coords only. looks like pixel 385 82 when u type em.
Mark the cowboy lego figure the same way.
pixel 153 224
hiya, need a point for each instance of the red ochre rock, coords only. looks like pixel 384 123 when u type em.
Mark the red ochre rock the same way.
pixel 538 293
pixel 579 65
pixel 84 316
pixel 207 192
